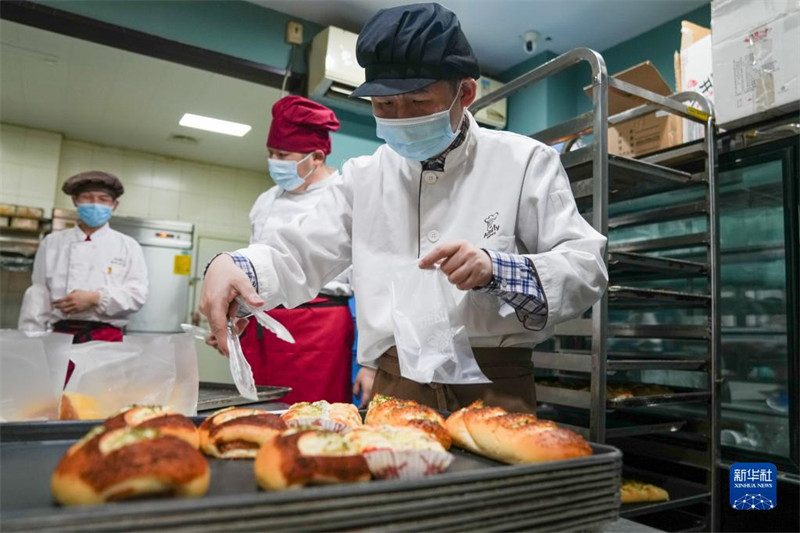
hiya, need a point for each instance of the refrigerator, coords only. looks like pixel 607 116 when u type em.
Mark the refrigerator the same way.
pixel 167 247
pixel 760 313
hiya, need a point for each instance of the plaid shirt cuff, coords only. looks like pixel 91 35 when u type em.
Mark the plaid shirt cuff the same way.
pixel 243 263
pixel 515 281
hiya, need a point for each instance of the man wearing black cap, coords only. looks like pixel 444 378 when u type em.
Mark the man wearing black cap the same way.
pixel 88 279
pixel 493 209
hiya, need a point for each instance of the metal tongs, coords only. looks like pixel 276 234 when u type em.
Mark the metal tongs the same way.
pixel 240 368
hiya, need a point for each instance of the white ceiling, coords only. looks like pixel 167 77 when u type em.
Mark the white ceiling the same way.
pixel 100 94
pixel 494 27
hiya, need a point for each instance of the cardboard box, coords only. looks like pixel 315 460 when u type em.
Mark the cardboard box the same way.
pixel 693 71
pixel 755 60
pixel 648 133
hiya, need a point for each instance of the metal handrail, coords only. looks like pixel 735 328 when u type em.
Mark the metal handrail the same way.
pixel 555 65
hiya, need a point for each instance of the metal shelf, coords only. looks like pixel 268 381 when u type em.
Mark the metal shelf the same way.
pixel 617 427
pixel 628 297
pixel 582 327
pixel 628 178
pixel 666 243
pixel 629 265
pixel 659 331
pixel 681 493
pixel 580 399
pixel 664 214
pixel 598 180
pixel 576 361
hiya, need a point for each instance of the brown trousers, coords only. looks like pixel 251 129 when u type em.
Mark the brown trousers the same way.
pixel 509 369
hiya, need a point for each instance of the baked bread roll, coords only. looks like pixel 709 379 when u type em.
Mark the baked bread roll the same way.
pixel 632 491
pixel 238 433
pixel 118 464
pixel 458 430
pixel 300 457
pixel 389 411
pixel 165 420
pixel 339 416
pixel 514 437
pixel 398 438
pixel 76 406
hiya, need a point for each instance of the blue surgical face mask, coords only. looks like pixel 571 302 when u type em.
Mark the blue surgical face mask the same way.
pixel 418 138
pixel 94 215
pixel 284 173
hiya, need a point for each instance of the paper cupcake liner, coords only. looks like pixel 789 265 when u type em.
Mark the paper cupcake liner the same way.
pixel 322 423
pixel 407 464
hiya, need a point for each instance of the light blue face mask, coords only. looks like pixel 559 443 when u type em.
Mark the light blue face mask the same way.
pixel 94 215
pixel 418 138
pixel 284 173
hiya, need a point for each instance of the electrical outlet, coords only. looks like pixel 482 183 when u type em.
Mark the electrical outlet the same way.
pixel 294 33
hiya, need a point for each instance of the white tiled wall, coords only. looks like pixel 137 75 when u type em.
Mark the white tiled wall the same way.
pixel 216 199
pixel 28 166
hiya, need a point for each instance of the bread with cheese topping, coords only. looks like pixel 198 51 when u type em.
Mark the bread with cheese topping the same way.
pixel 300 457
pixel 110 465
pixel 238 433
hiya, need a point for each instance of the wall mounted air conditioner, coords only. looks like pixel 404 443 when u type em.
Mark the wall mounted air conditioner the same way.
pixel 333 73
pixel 496 115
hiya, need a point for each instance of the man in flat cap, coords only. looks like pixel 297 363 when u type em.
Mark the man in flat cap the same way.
pixel 492 209
pixel 88 279
pixel 319 365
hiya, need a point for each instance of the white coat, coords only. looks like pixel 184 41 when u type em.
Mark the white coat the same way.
pixel 499 190
pixel 110 263
pixel 276 208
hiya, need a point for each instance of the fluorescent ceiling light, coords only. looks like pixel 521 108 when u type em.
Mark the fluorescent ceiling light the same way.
pixel 214 124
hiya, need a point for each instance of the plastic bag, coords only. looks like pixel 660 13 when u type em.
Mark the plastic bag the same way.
pixel 432 343
pixel 32 373
pixel 240 368
pixel 142 369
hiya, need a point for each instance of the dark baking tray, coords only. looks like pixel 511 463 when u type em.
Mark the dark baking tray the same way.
pixel 582 399
pixel 215 396
pixel 473 490
pixel 681 493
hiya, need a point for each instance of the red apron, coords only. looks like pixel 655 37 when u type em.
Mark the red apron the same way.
pixel 319 365
pixel 85 331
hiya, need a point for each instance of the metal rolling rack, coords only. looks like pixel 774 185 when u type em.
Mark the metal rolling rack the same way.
pixel 599 179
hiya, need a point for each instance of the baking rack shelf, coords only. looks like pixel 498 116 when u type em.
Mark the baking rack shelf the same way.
pixel 607 189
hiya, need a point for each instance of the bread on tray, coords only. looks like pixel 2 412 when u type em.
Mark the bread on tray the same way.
pixel 110 465
pixel 513 437
pixel 390 411
pixel 238 433
pixel 302 456
pixel 154 416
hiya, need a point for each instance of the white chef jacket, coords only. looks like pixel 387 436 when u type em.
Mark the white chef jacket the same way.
pixel 277 207
pixel 110 263
pixel 499 190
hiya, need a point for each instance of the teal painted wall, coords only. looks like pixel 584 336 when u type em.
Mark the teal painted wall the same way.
pixel 232 27
pixel 657 46
pixel 561 97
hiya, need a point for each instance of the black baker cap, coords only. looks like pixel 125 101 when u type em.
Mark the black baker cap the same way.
pixel 406 48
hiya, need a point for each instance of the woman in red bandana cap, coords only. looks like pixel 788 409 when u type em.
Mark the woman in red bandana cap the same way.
pixel 319 365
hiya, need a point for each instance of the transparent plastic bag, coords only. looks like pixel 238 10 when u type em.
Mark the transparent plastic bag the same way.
pixel 33 368
pixel 240 368
pixel 142 369
pixel 432 342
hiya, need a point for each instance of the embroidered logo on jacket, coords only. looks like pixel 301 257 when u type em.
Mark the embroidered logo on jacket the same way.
pixel 491 227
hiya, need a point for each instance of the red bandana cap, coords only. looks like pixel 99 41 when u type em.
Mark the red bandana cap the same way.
pixel 300 125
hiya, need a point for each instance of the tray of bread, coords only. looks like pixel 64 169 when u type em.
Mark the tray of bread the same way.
pixel 316 466
pixel 576 393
